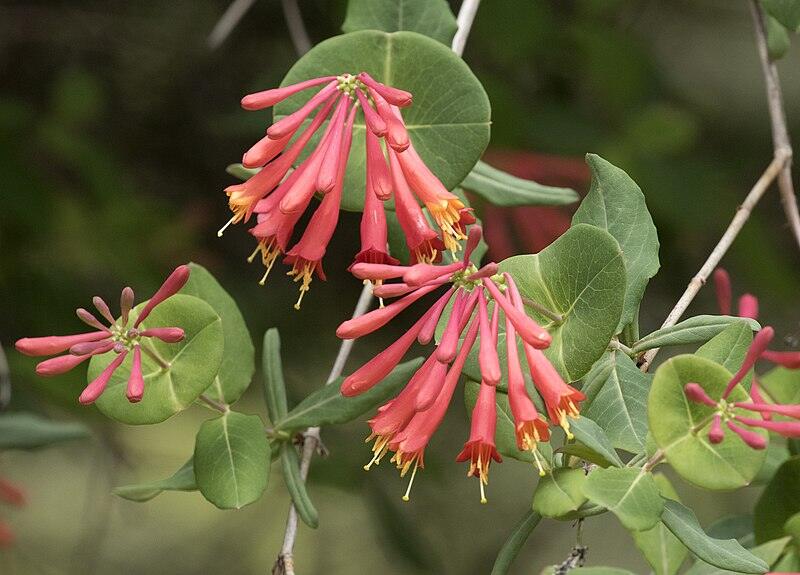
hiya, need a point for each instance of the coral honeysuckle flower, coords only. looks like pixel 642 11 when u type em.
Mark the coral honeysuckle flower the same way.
pixel 278 196
pixel 733 420
pixel 117 336
pixel 405 424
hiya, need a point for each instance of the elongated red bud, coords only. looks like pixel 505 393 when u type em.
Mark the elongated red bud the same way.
pixel 792 410
pixel 716 434
pixel 473 239
pixel 165 334
pixel 267 98
pixel 429 328
pixel 396 134
pixel 420 274
pixel 135 388
pixel 172 285
pixel 722 287
pixel 96 387
pixel 751 438
pixel 531 332
pixel 748 306
pixel 486 271
pixel 785 428
pixel 89 319
pixel 126 304
pixel 332 160
pixel 389 291
pixel 375 123
pixel 756 397
pixel 64 363
pixel 374 272
pixel 89 347
pixel 760 343
pixel 788 359
pixel 264 150
pixel 431 385
pixel 697 394
pixel 392 95
pixel 369 322
pixel 103 308
pixel 488 360
pixel 377 169
pixel 50 345
pixel 448 346
pixel 290 123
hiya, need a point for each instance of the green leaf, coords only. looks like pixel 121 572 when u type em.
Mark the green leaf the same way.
pixel 240 172
pixel 789 563
pixel 769 552
pixel 515 542
pixel 726 465
pixel 274 385
pixel 782 385
pixel 21 430
pixel 777 454
pixel 580 276
pixel 616 204
pixel 232 460
pixel 238 360
pixel 729 348
pixel 560 493
pixel 592 436
pixel 630 494
pixel 662 550
pixel 296 486
pixel 778 41
pixel 502 189
pixel 431 18
pixel 697 329
pixel 618 404
pixel 181 480
pixel 787 12
pixel 779 501
pixel 505 435
pixel 792 528
pixel 327 406
pixel 726 554
pixel 194 363
pixel 448 122
pixel 739 527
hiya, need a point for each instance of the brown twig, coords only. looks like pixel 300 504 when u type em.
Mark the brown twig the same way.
pixel 742 214
pixel 777 116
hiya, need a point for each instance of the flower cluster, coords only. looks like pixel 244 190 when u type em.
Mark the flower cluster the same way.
pixel 279 197
pixel 11 495
pixel 724 412
pixel 116 337
pixel 406 423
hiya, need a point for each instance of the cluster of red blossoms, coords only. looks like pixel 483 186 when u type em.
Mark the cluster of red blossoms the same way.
pixel 759 403
pixel 11 495
pixel 115 337
pixel 406 423
pixel 279 197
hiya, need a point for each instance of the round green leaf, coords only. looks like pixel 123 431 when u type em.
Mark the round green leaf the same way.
pixel 448 123
pixel 232 460
pixel 238 361
pixel 779 502
pixel 194 363
pixel 727 465
pixel 429 17
pixel 560 493
pixel 580 276
pixel 630 494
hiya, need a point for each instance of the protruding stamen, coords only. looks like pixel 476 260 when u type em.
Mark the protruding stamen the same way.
pixel 227 225
pixel 407 494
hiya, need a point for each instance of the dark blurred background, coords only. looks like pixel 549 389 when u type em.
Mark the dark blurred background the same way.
pixel 116 124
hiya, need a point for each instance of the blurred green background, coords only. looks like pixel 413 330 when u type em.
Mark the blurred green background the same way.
pixel 116 124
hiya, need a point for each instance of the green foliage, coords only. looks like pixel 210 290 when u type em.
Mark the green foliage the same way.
pixel 697 329
pixel 778 41
pixel 431 18
pixel 274 385
pixel 448 122
pixel 181 480
pixel 680 426
pixel 787 12
pixel 328 406
pixel 779 502
pixel 580 276
pixel 560 494
pixel 768 552
pixel 662 550
pixel 726 554
pixel 502 189
pixel 616 399
pixel 21 430
pixel 630 494
pixel 232 460
pixel 782 384
pixel 729 348
pixel 238 360
pixel 290 463
pixel 594 438
pixel 616 204
pixel 194 363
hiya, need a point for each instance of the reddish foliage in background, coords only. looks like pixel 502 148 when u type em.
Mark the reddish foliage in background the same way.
pixel 509 230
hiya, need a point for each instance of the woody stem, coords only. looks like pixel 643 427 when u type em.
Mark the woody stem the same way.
pixel 742 214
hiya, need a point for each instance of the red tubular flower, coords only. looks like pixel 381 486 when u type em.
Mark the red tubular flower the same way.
pixel 268 98
pixel 479 448
pixel 723 290
pixel 760 343
pixel 697 394
pixel 392 95
pixel 788 359
pixel 530 331
pixel 117 337
pixel 396 134
pixel 751 438
pixel 379 181
pixel 374 233
pixel 762 408
pixel 716 434
pixel 487 354
pixel 785 428
pixel 748 306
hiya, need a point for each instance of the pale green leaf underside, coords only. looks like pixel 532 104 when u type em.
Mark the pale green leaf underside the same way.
pixel 431 18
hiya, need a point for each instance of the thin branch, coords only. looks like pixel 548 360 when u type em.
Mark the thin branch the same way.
pixel 311 441
pixel 297 30
pixel 556 317
pixel 777 115
pixel 225 25
pixel 466 16
pixel 214 404
pixel 743 213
